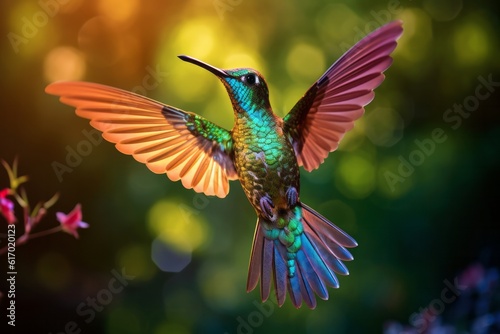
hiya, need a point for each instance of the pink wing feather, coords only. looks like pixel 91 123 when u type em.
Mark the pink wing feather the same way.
pixel 319 120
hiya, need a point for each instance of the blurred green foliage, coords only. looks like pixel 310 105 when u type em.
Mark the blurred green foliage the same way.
pixel 421 210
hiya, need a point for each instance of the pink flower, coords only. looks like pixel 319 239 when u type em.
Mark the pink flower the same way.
pixel 72 221
pixel 7 206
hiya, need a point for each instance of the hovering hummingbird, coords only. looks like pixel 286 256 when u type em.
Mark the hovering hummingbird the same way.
pixel 293 246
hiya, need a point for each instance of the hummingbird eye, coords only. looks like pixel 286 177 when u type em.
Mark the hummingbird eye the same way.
pixel 250 79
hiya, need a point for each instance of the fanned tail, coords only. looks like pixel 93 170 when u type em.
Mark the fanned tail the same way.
pixel 303 258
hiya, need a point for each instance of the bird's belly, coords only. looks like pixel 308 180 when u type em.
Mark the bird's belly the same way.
pixel 268 170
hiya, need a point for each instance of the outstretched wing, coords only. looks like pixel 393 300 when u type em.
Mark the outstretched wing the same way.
pixel 168 140
pixel 319 120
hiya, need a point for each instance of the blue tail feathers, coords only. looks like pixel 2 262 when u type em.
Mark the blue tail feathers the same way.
pixel 302 256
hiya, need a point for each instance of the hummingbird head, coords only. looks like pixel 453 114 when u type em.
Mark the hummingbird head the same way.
pixel 246 87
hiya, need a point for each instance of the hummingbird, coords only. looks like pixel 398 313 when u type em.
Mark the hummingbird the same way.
pixel 295 249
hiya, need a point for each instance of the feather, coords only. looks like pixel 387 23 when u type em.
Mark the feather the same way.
pixel 304 272
pixel 166 139
pixel 319 120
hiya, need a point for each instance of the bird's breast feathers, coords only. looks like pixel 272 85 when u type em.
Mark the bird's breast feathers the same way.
pixel 266 164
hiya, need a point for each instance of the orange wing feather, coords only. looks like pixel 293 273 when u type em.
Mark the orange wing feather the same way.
pixel 166 139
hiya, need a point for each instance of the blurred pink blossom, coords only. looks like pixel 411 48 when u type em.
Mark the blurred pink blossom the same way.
pixel 7 206
pixel 32 216
pixel 72 221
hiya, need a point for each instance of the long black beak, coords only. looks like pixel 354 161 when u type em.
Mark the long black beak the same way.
pixel 218 72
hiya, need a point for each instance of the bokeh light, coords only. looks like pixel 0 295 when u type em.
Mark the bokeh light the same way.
pixel 168 258
pixel 471 43
pixel 334 22
pixel 356 175
pixel 30 29
pixel 119 10
pixel 305 62
pixel 178 225
pixel 194 38
pixel 64 63
pixel 416 41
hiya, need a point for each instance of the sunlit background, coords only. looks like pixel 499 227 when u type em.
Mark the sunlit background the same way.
pixel 421 208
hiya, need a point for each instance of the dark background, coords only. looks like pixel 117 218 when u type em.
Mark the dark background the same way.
pixel 417 231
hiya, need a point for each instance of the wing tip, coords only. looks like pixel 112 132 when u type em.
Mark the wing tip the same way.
pixel 397 25
pixel 54 87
